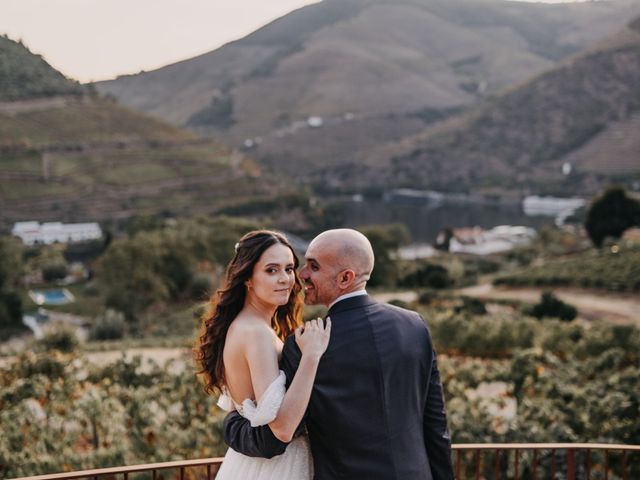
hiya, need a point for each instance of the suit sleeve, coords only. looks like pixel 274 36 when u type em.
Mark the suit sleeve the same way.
pixel 260 441
pixel 290 361
pixel 251 441
pixel 436 433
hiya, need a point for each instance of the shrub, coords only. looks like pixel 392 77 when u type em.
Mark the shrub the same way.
pixel 61 337
pixel 46 364
pixel 551 306
pixel 54 270
pixel 471 305
pixel 611 214
pixel 429 275
pixel 385 239
pixel 110 326
pixel 91 289
pixel 427 297
pixel 200 286
pixel 617 269
pixel 10 309
pixel 484 336
pixel 398 303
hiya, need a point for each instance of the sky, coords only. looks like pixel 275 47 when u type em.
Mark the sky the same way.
pixel 90 40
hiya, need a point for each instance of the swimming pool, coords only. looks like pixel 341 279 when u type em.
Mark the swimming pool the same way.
pixel 59 296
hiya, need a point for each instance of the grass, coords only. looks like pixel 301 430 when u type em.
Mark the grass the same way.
pixel 89 300
pixel 147 342
pixel 22 164
pixel 26 190
pixel 174 200
pixel 137 173
pixel 615 268
pixel 95 173
pixel 92 121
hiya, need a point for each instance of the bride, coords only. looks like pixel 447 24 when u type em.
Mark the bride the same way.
pixel 257 307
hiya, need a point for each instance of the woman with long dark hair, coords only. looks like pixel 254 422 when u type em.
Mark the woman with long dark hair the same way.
pixel 257 307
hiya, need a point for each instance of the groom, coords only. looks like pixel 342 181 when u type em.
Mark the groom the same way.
pixel 377 409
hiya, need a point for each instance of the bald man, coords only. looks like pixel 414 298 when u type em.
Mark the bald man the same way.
pixel 377 410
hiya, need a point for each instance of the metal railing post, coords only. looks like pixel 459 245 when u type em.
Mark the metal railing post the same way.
pixel 571 464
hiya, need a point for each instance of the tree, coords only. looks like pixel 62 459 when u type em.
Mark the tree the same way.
pixel 611 214
pixel 551 306
pixel 10 271
pixel 385 240
pixel 130 271
pixel 10 262
pixel 159 265
pixel 429 275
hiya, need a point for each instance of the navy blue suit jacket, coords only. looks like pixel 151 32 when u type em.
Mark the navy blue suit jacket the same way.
pixel 377 408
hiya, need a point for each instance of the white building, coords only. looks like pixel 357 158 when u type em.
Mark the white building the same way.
pixel 502 238
pixel 561 208
pixel 32 233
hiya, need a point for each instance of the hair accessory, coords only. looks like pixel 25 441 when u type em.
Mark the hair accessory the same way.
pixel 236 246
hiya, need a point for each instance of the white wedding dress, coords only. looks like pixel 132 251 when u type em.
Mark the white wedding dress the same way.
pixel 294 464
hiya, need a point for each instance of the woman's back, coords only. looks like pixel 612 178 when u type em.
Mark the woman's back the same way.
pixel 246 334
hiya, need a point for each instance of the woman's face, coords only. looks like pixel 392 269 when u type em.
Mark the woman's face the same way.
pixel 273 275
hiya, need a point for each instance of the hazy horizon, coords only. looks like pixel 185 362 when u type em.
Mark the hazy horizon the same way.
pixel 179 31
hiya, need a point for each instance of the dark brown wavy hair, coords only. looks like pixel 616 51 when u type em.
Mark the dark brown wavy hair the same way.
pixel 228 301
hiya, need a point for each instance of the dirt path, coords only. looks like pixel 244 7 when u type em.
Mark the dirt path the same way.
pixel 406 296
pixel 181 358
pixel 617 308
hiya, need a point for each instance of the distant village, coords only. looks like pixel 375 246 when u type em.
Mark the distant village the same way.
pixel 35 233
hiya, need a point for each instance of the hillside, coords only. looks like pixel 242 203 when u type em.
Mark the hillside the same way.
pixel 83 157
pixel 584 112
pixel 369 58
pixel 24 75
pixel 376 71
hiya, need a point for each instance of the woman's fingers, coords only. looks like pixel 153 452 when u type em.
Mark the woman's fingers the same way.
pixel 327 325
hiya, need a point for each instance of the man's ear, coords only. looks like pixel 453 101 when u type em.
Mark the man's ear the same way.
pixel 346 278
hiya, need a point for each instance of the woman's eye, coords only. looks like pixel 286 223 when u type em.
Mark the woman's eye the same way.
pixel 271 270
pixel 289 269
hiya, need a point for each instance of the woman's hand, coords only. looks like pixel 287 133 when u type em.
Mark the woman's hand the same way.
pixel 313 337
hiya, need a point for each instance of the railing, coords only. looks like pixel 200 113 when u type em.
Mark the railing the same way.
pixel 207 468
pixel 531 461
pixel 566 461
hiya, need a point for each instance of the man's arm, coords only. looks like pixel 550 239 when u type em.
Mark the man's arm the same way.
pixel 436 433
pixel 290 360
pixel 260 441
pixel 251 441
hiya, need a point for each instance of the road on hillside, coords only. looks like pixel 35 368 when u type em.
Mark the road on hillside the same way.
pixel 617 308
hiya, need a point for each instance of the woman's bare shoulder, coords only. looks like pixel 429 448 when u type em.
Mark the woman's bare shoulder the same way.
pixel 248 330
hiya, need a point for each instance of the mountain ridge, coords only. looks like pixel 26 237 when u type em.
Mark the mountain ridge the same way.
pixel 336 57
pixel 73 155
pixel 25 75
pixel 530 131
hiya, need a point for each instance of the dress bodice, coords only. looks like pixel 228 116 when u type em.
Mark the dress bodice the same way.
pixel 294 464
pixel 262 411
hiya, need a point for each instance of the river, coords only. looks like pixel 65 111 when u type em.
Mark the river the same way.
pixel 424 222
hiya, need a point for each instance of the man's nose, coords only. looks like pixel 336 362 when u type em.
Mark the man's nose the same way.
pixel 303 273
